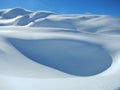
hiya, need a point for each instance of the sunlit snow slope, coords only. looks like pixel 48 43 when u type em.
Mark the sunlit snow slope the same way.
pixel 48 51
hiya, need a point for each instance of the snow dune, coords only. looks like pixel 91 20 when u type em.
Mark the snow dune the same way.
pixel 47 51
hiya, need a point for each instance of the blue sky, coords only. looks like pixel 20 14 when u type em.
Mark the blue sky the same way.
pixel 109 7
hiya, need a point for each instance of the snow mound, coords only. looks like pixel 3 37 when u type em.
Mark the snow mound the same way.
pixel 48 51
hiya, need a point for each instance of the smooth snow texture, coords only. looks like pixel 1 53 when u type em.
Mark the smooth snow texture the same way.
pixel 66 55
pixel 47 51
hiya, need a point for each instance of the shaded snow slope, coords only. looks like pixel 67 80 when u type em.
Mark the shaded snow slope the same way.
pixel 47 51
pixel 66 55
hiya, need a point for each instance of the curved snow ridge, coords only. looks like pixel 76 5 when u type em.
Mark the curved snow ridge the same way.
pixel 70 56
pixel 31 18
pixel 14 12
pixel 79 22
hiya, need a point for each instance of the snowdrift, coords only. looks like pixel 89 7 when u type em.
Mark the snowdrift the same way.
pixel 48 51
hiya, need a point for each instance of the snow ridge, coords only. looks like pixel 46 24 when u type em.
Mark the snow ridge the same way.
pixel 79 22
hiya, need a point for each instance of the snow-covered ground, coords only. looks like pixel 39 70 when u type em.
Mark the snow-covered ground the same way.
pixel 47 51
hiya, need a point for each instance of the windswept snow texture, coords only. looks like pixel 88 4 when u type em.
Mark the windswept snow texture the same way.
pixel 81 22
pixel 12 13
pixel 68 56
pixel 48 51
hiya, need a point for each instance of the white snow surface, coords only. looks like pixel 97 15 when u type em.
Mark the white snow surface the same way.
pixel 48 51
